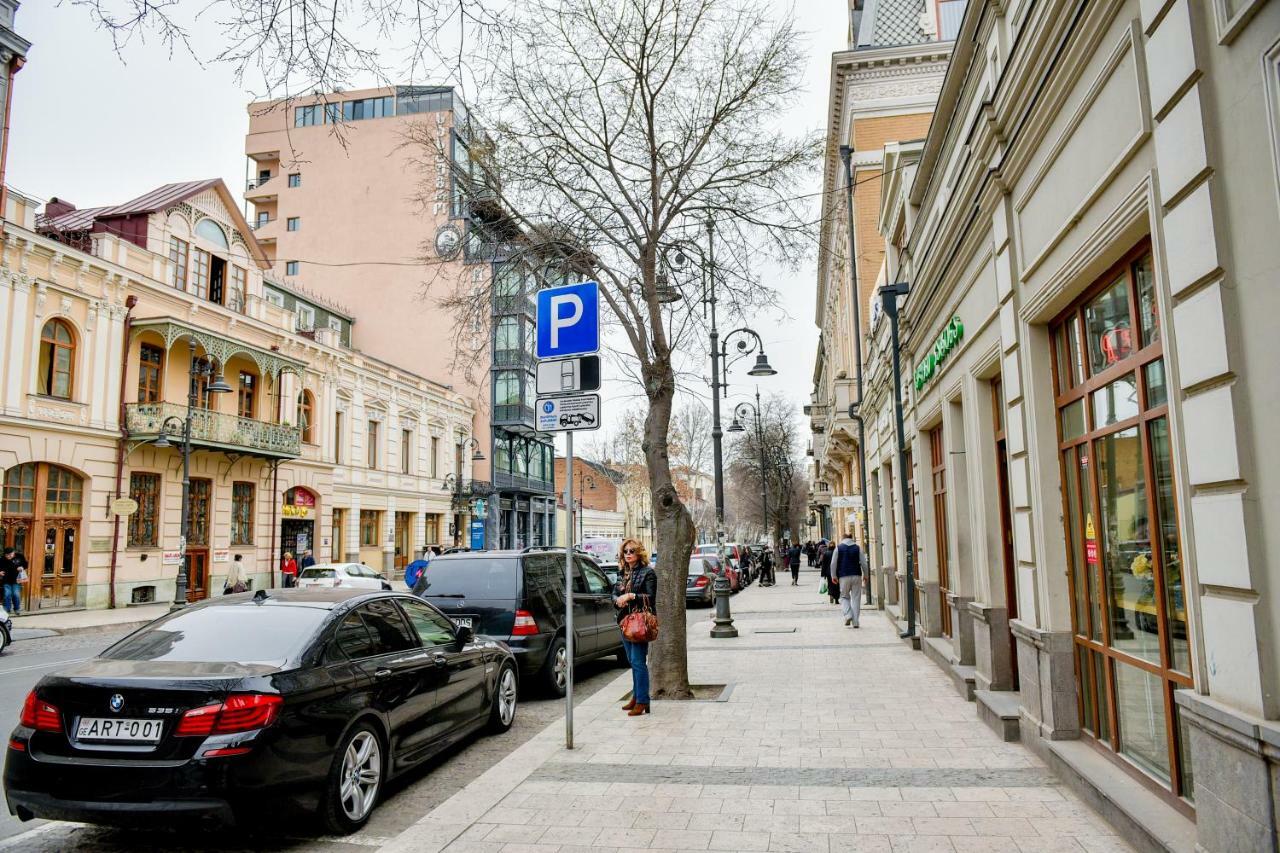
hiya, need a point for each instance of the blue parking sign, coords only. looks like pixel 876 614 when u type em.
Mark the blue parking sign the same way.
pixel 568 320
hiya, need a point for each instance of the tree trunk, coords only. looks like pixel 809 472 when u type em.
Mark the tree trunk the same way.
pixel 669 663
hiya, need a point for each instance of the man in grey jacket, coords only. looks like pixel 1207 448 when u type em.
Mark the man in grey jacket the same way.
pixel 848 569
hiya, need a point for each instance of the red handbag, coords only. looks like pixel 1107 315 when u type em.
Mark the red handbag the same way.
pixel 640 627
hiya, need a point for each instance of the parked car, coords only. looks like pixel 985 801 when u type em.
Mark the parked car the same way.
pixel 341 575
pixel 711 552
pixel 227 709
pixel 518 597
pixel 700 588
pixel 6 629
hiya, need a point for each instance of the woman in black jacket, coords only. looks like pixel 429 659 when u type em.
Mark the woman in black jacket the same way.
pixel 636 592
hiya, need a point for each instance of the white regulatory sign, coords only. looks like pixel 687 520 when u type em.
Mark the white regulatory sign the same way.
pixel 567 414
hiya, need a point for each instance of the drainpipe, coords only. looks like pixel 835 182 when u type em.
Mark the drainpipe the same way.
pixel 129 302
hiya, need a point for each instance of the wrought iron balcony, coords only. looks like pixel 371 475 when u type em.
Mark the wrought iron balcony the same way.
pixel 513 415
pixel 503 480
pixel 216 430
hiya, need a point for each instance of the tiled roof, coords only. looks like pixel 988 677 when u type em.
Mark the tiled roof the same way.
pixel 72 220
pixel 898 22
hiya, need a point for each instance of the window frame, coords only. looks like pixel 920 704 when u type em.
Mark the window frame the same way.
pixel 406 451
pixel 48 372
pixel 295 180
pixel 148 509
pixel 293 223
pixel 246 395
pixel 290 267
pixel 306 416
pixel 242 513
pixel 150 374
pixel 372 432
pixel 179 256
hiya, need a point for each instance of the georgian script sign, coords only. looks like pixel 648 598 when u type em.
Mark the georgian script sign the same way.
pixel 947 341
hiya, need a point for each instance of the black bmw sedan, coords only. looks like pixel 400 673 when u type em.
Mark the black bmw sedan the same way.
pixel 222 711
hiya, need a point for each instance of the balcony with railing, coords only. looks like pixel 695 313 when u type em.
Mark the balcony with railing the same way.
pixel 212 430
pixel 504 480
pixel 262 189
pixel 514 358
pixel 513 415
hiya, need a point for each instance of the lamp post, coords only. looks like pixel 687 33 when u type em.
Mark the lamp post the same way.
pixel 453 482
pixel 200 368
pixel 846 154
pixel 889 294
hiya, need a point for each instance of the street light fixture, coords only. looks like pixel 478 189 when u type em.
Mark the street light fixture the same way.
pixel 889 294
pixel 477 456
pixel 739 412
pixel 200 367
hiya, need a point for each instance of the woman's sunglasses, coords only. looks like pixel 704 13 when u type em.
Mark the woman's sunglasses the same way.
pixel 630 551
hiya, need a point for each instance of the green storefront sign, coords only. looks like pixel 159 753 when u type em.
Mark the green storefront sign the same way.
pixel 942 348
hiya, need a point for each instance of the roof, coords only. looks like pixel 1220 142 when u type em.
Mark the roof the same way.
pixel 326 599
pixel 158 199
pixel 898 22
pixel 149 202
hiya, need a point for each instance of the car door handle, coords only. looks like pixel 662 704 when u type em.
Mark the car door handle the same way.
pixel 440 660
pixel 381 673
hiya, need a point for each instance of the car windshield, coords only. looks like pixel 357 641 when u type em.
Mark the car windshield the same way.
pixel 238 633
pixel 490 578
pixel 317 572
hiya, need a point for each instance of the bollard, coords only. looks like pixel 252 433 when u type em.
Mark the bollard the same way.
pixel 724 620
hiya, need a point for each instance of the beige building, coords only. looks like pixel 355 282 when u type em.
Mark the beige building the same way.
pixel 1088 233
pixel 109 313
pixel 883 89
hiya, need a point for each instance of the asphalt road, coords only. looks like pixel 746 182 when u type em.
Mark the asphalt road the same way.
pixel 403 801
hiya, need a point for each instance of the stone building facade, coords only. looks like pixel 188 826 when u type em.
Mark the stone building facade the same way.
pixel 1087 233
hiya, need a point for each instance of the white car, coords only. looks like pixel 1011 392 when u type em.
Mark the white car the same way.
pixel 341 576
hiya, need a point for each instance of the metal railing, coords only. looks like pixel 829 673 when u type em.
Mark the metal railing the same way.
pixel 144 420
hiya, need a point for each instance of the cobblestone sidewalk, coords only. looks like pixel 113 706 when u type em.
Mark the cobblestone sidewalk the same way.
pixel 829 739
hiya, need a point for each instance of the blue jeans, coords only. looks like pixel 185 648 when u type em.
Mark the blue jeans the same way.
pixel 13 598
pixel 638 657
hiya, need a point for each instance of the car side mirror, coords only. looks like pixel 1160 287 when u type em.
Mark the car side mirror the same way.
pixel 463 635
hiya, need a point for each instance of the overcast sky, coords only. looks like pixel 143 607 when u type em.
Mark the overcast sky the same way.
pixel 94 129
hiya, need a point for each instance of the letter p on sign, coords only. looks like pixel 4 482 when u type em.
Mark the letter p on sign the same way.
pixel 568 320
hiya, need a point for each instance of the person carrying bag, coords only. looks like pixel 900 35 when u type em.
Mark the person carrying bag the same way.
pixel 635 596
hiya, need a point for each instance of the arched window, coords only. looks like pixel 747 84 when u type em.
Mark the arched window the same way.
pixel 212 231
pixel 306 408
pixel 57 359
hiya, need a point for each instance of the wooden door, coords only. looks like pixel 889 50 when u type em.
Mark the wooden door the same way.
pixel 41 506
pixel 55 583
pixel 197 574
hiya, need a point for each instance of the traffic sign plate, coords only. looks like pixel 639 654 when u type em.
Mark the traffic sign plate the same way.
pixel 568 414
pixel 569 375
pixel 568 320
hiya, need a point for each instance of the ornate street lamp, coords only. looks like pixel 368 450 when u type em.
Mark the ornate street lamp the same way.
pixel 200 368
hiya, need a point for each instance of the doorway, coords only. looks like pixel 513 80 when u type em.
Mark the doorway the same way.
pixel 1006 523
pixel 404 540
pixel 41 518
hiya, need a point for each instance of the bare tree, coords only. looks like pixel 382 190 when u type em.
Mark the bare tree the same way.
pixel 779 468
pixel 630 125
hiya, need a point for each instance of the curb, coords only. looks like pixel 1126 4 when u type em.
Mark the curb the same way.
pixel 78 629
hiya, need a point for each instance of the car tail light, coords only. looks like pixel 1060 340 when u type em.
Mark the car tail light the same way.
pixel 702 580
pixel 40 715
pixel 525 625
pixel 240 713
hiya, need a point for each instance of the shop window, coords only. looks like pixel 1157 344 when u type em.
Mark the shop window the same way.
pixel 144 523
pixel 242 502
pixel 57 360
pixel 1124 548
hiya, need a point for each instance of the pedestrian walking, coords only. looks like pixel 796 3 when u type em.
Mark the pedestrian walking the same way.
pixel 848 568
pixel 811 553
pixel 307 560
pixel 289 570
pixel 826 555
pixel 793 558
pixel 235 581
pixel 636 592
pixel 13 572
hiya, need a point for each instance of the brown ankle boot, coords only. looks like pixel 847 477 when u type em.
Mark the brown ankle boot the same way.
pixel 639 709
pixel 629 705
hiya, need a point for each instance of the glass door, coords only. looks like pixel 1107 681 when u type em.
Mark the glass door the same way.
pixel 1127 596
pixel 939 480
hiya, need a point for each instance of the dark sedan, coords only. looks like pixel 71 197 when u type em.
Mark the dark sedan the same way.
pixel 228 708
pixel 700 587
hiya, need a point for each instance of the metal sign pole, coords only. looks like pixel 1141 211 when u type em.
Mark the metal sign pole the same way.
pixel 568 591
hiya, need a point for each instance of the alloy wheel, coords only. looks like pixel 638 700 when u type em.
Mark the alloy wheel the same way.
pixel 361 775
pixel 560 667
pixel 507 696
